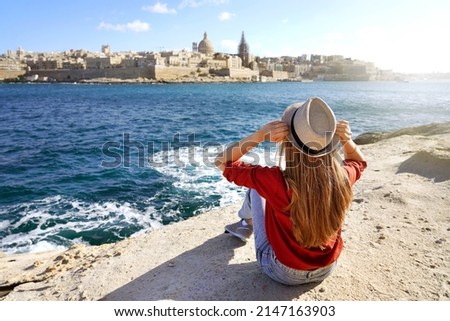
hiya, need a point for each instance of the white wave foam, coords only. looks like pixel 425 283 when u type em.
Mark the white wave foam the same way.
pixel 201 178
pixel 79 217
pixel 4 225
pixel 44 246
pixel 204 177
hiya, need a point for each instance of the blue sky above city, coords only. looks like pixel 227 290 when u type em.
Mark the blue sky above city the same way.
pixel 406 36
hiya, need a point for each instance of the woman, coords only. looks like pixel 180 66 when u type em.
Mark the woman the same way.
pixel 296 211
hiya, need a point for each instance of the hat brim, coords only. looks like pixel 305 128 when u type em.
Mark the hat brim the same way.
pixel 287 118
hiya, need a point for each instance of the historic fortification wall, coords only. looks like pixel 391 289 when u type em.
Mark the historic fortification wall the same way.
pixel 237 73
pixel 79 74
pixel 11 74
pixel 173 73
pixel 158 73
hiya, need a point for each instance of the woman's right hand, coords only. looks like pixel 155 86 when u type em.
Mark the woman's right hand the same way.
pixel 274 131
pixel 350 149
pixel 343 131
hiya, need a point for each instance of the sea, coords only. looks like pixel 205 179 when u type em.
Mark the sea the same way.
pixel 96 163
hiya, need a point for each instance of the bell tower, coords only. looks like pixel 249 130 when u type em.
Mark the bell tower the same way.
pixel 243 52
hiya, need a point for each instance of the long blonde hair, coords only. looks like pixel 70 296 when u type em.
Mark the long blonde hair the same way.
pixel 321 195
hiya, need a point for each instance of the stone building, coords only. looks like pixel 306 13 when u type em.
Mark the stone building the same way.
pixel 234 62
pixel 11 68
pixel 103 62
pixel 106 50
pixel 205 46
pixel 20 53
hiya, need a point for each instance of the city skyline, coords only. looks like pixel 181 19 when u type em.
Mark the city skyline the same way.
pixel 401 36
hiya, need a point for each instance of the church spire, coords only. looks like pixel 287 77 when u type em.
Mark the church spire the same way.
pixel 243 51
pixel 243 38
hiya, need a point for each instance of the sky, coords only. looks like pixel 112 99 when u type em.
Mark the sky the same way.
pixel 403 36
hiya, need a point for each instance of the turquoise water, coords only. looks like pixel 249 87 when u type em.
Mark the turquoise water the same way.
pixel 97 163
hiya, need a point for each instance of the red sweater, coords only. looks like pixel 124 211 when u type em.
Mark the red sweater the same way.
pixel 270 184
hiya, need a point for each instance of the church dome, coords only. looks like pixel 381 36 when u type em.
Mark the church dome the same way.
pixel 205 46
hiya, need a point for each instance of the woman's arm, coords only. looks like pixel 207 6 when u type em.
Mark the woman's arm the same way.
pixel 274 131
pixel 350 149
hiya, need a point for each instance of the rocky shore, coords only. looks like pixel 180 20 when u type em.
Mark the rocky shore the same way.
pixel 397 244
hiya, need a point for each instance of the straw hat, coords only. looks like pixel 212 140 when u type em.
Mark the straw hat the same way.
pixel 312 125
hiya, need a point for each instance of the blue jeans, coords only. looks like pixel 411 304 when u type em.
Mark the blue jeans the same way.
pixel 253 208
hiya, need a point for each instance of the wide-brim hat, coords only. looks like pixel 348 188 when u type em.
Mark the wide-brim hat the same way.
pixel 312 127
